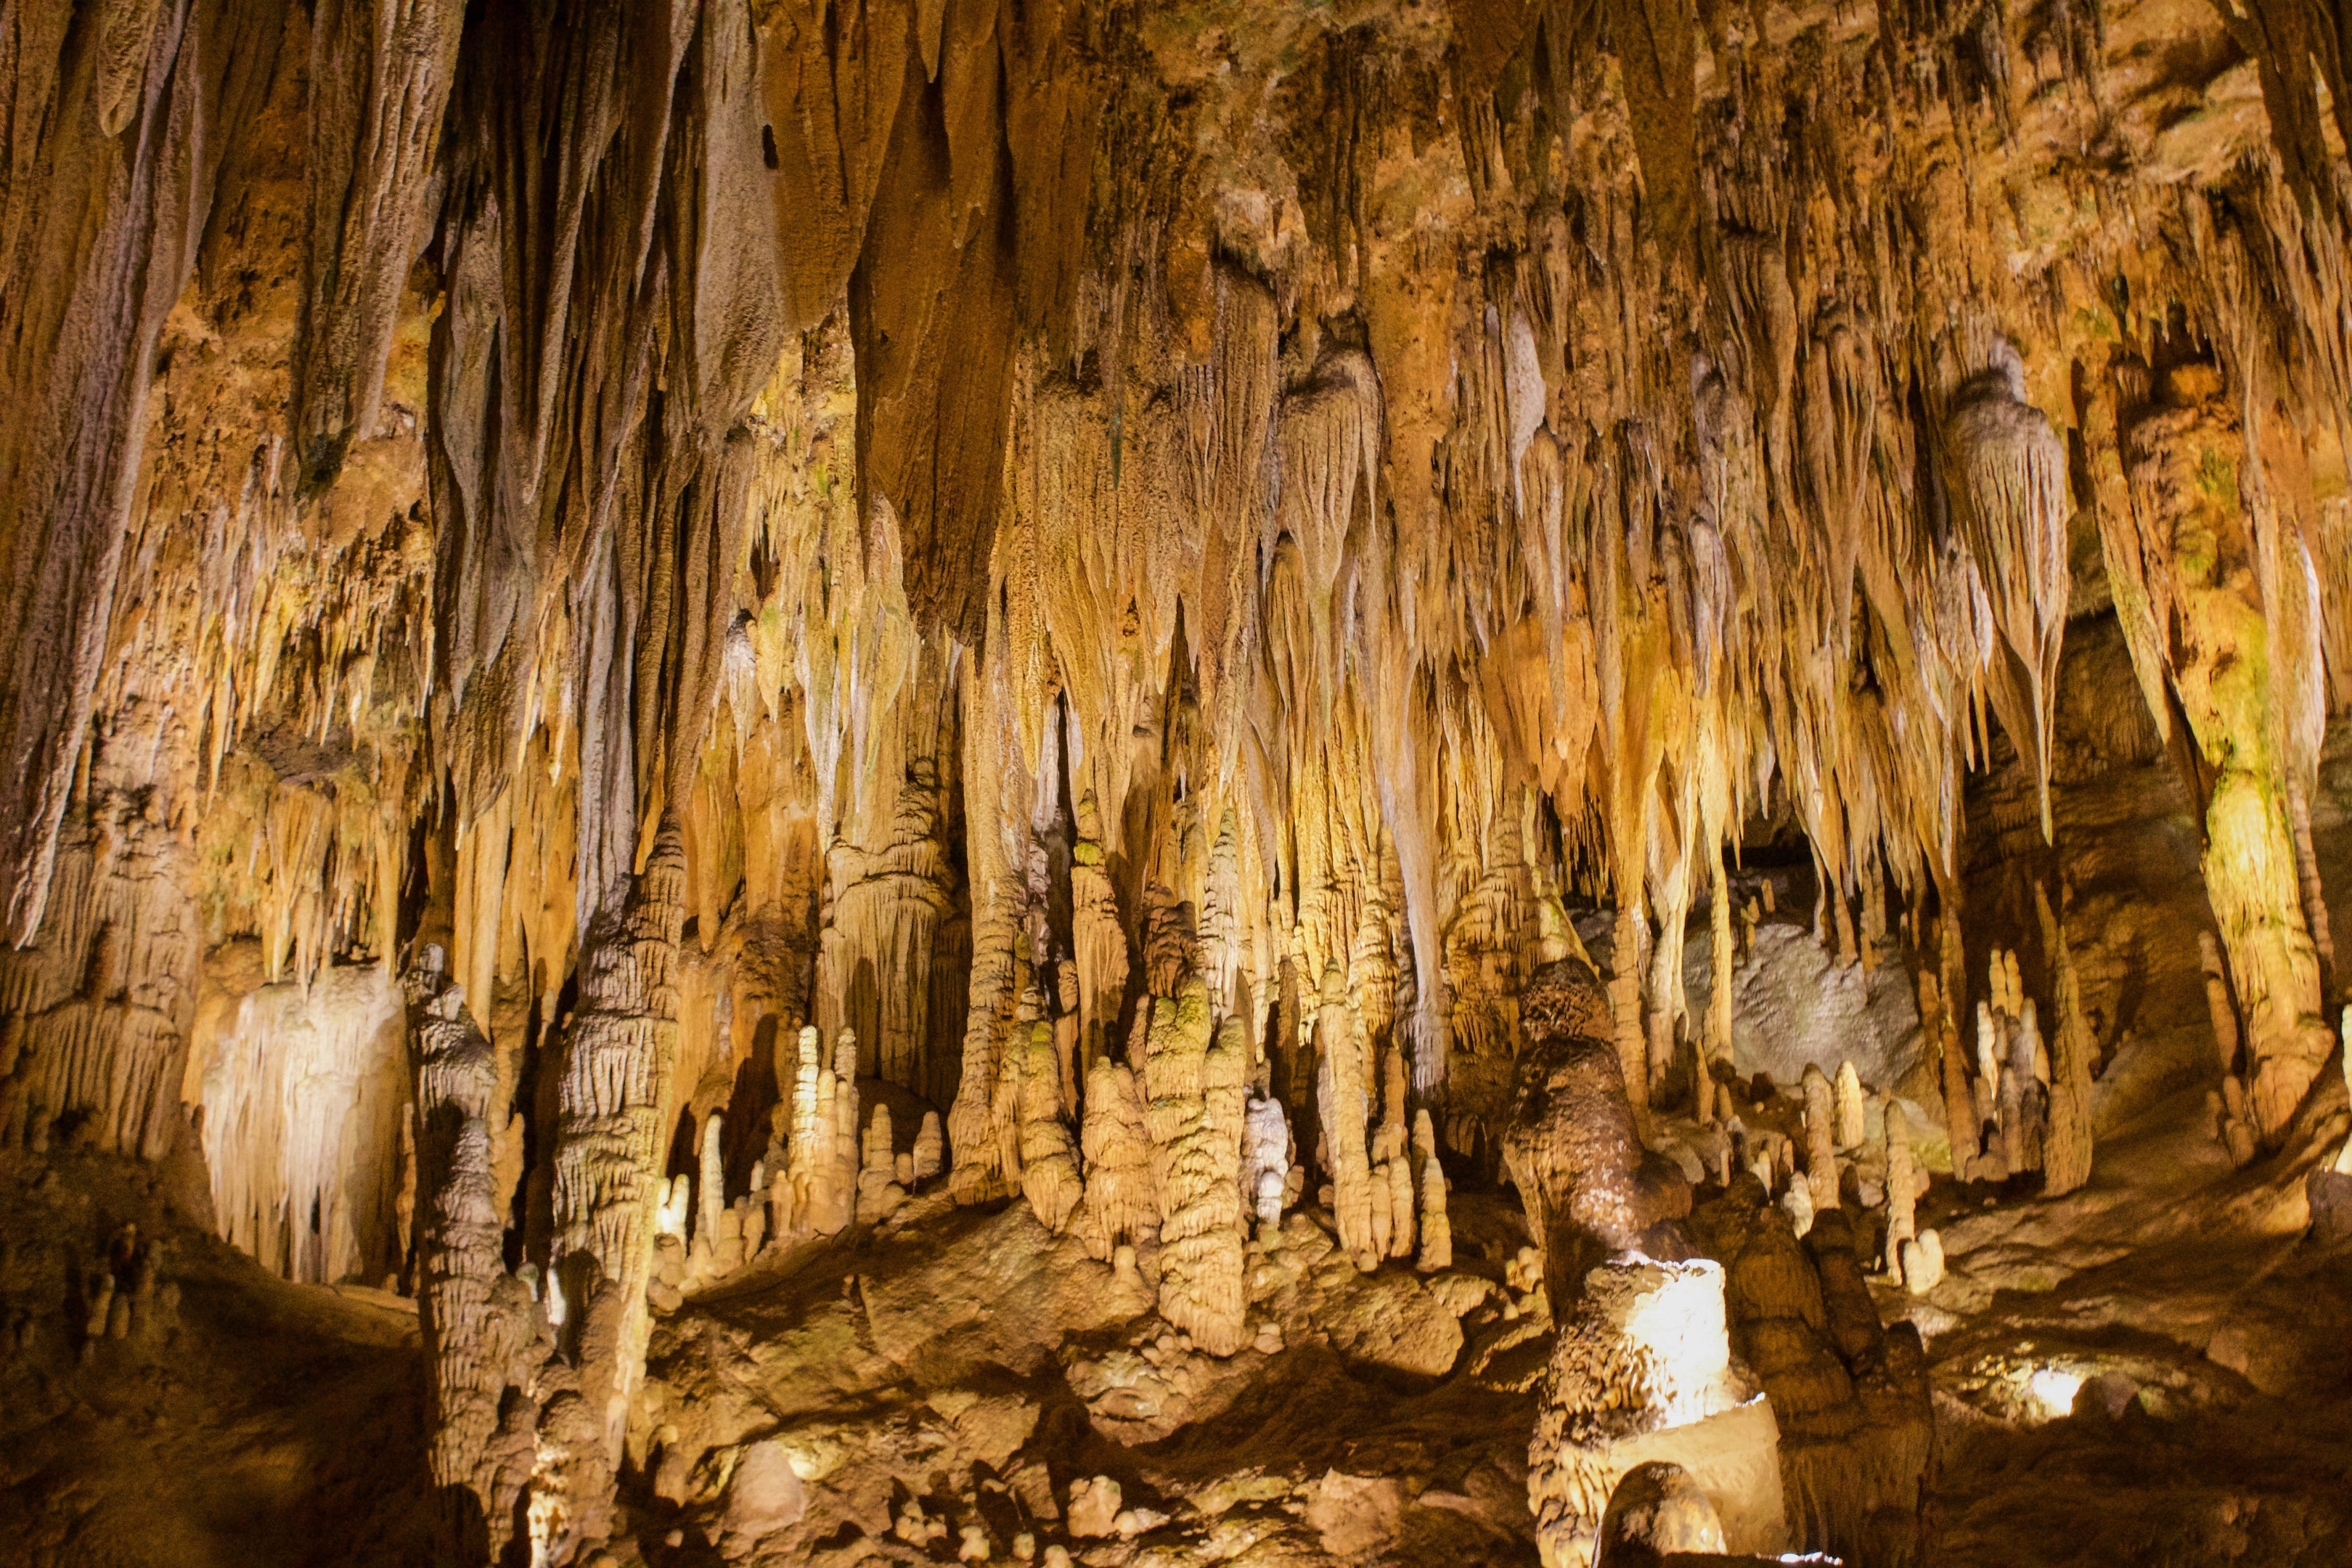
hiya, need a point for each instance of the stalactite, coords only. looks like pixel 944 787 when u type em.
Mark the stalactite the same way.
pixel 97 250
pixel 100 1004
pixel 380 80
pixel 962 526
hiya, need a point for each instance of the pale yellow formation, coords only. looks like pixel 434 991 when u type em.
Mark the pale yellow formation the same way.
pixel 1821 1140
pixel 1343 1109
pixel 1049 1156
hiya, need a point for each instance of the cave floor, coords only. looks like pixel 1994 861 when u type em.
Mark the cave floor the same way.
pixel 2213 1347
pixel 954 1368
pixel 268 1422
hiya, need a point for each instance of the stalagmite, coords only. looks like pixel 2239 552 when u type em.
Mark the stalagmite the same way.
pixel 1049 1156
pixel 878 1192
pixel 1399 1171
pixel 2217 1002
pixel 1821 1140
pixel 1849 1107
pixel 1643 1371
pixel 2014 1134
pixel 612 1122
pixel 602 603
pixel 930 1151
pixel 711 1184
pixel 1343 1109
pixel 1923 1263
pixel 2026 1075
pixel 1570 1145
pixel 848 1144
pixel 826 1152
pixel 2067 1153
pixel 1121 1202
pixel 478 1328
pixel 1902 1188
pixel 1265 1159
pixel 1437 1224
pixel 1960 1125
pixel 1193 1107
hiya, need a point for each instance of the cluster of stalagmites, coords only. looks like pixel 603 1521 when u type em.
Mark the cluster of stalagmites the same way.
pixel 1835 1143
pixel 1176 1147
pixel 2022 1104
pixel 820 1173
pixel 124 1294
pixel 1661 1350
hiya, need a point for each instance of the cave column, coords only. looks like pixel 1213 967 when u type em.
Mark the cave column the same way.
pixel 2179 548
pixel 613 1124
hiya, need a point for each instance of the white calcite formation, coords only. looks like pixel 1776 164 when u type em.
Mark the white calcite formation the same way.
pixel 1642 1372
pixel 1266 1158
pixel 303 1089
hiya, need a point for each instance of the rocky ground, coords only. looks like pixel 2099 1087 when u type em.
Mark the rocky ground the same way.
pixel 2151 1370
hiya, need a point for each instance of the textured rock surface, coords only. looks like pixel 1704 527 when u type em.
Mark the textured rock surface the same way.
pixel 977 662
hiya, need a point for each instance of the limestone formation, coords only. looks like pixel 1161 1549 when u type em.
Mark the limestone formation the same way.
pixel 1121 1199
pixel 1436 1226
pixel 1342 1109
pixel 878 1192
pixel 1902 1188
pixel 929 1157
pixel 826 1149
pixel 607 609
pixel 1821 1140
pixel 613 1121
pixel 1049 1156
pixel 1848 1094
pixel 1850 1397
pixel 1644 1373
pixel 1265 1159
pixel 1193 1107
pixel 477 1327
pixel 2067 1153
pixel 1570 1145
pixel 1656 1509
